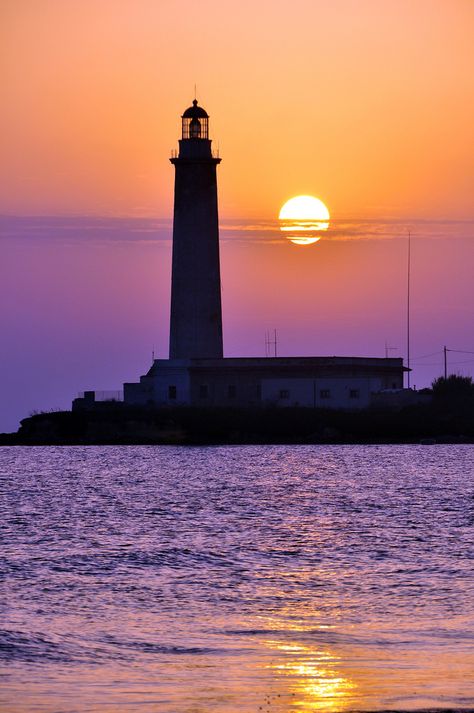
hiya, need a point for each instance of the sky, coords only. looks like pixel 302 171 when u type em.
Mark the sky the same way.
pixel 367 105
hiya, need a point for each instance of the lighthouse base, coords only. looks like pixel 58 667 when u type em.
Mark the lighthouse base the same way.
pixel 314 382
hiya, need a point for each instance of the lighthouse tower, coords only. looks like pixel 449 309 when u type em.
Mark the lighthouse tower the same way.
pixel 196 315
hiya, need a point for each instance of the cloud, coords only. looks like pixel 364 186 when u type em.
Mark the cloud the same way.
pixel 157 230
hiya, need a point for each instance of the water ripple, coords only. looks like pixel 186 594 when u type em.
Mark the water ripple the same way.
pixel 285 578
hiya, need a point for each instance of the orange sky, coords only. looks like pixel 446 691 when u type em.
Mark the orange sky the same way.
pixel 365 103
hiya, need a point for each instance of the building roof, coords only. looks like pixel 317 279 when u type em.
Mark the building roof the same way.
pixel 292 364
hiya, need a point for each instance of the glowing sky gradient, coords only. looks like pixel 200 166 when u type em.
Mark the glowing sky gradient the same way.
pixel 367 104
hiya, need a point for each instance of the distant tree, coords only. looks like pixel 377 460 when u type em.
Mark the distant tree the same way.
pixel 454 384
pixel 455 392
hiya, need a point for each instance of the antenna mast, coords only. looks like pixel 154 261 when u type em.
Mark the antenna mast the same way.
pixel 270 344
pixel 408 307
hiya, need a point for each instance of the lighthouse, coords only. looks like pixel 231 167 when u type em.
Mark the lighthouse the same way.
pixel 196 314
pixel 196 374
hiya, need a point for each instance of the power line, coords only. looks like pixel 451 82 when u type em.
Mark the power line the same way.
pixel 432 363
pixel 425 356
pixel 437 363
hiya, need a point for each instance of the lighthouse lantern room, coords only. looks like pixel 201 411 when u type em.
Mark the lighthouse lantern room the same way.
pixel 195 121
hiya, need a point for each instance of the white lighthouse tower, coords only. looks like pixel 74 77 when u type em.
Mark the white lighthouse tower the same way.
pixel 196 315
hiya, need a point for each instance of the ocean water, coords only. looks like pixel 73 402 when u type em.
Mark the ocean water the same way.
pixel 256 578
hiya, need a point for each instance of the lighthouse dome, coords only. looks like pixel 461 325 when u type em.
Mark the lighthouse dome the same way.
pixel 195 112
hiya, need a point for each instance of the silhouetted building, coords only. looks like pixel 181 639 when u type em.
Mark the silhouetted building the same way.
pixel 316 382
pixel 196 373
pixel 196 316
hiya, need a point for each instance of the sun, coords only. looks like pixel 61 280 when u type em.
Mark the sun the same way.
pixel 303 218
pixel 304 208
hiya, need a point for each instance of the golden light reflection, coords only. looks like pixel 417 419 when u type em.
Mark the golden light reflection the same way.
pixel 304 217
pixel 313 677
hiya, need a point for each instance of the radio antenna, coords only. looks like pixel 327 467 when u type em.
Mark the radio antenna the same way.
pixel 408 307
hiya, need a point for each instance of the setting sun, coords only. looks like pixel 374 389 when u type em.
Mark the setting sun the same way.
pixel 304 208
pixel 304 217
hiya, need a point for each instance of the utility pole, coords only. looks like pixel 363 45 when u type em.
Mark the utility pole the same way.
pixel 445 362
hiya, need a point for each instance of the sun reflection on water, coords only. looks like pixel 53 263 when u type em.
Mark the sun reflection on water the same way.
pixel 312 677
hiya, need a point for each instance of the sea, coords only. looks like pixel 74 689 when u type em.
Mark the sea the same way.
pixel 237 579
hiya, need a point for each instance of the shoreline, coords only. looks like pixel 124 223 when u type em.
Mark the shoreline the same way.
pixel 115 424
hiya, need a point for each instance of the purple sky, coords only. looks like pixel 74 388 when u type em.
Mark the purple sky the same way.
pixel 85 300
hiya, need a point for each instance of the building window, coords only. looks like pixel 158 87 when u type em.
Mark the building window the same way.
pixel 325 394
pixel 284 394
pixel 231 391
pixel 354 393
pixel 394 385
pixel 171 392
pixel 203 391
